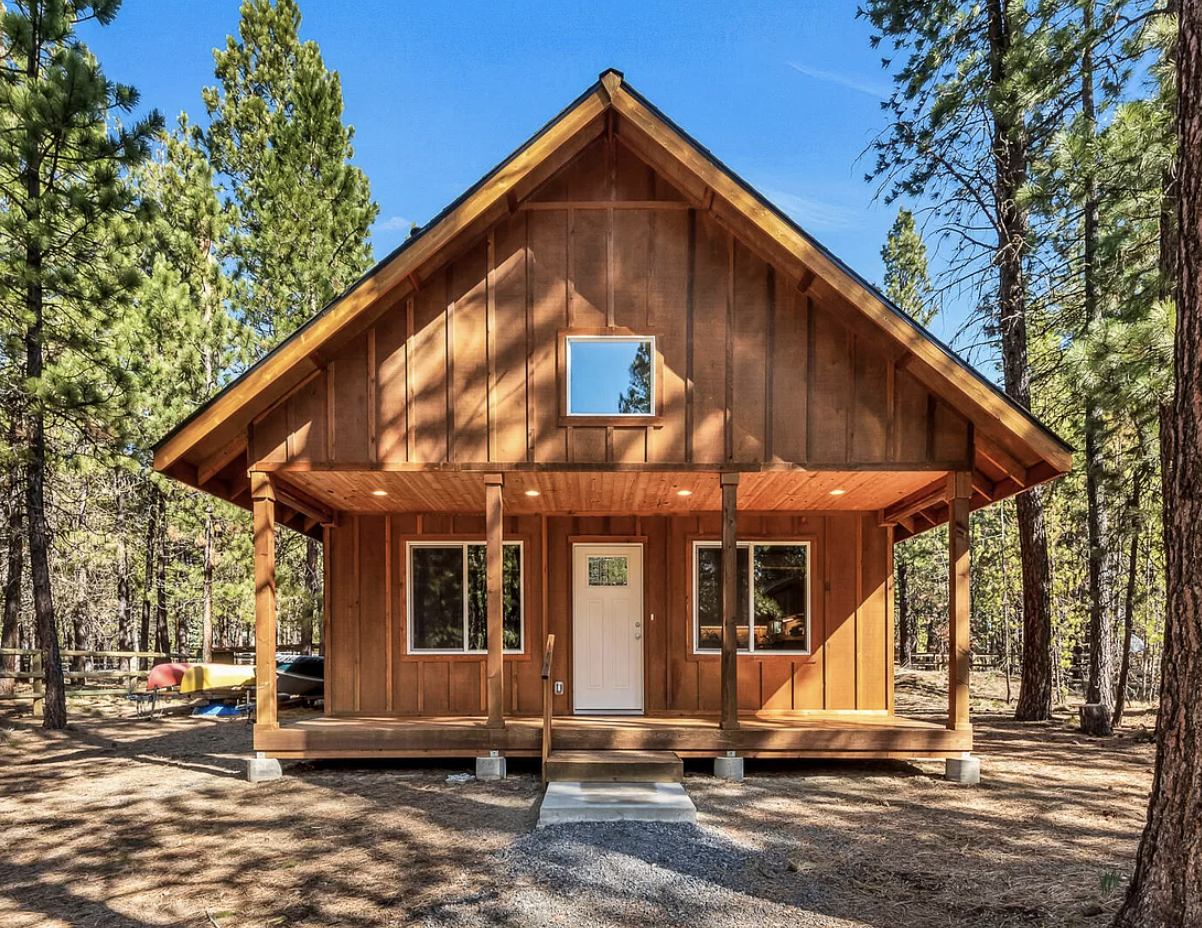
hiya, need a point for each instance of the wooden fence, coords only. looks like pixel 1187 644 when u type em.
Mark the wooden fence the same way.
pixel 89 681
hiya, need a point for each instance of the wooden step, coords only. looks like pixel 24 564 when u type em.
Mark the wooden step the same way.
pixel 614 767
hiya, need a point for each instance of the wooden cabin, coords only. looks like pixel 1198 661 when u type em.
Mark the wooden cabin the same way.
pixel 614 396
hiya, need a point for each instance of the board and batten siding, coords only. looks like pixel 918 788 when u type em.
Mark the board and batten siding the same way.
pixel 369 672
pixel 755 368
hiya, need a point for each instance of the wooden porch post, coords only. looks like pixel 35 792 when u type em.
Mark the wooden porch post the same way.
pixel 730 603
pixel 959 650
pixel 494 532
pixel 263 494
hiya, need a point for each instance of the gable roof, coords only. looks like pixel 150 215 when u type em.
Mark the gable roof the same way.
pixel 213 432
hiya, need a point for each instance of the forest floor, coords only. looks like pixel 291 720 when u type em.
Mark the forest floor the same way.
pixel 131 823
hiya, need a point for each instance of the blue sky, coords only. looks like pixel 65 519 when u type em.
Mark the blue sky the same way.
pixel 787 94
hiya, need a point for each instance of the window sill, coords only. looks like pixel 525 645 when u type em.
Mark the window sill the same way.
pixel 461 656
pixel 636 422
pixel 801 657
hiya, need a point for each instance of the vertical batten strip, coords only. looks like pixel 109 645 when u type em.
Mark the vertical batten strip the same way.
pixel 690 319
pixel 490 344
pixel 570 277
pixel 612 179
pixel 531 400
pixel 891 412
pixel 331 414
pixel 372 404
pixel 449 331
pixel 769 364
pixel 409 410
pixel 728 415
pixel 849 446
pixel 388 613
pixel 809 420
pixel 357 612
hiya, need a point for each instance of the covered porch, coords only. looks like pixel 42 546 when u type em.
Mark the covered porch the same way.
pixel 737 499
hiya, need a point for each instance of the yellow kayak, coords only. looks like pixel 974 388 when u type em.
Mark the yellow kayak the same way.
pixel 216 677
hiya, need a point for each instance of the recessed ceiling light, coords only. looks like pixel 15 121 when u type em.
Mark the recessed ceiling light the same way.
pixel 379 492
pixel 532 492
pixel 837 492
pixel 684 492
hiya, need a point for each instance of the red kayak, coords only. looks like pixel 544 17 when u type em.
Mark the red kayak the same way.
pixel 163 676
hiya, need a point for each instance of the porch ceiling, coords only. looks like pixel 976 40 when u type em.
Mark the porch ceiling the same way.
pixel 607 491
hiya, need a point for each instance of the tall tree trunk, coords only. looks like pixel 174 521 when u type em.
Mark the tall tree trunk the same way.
pixel 205 249
pixel 206 620
pixel 10 630
pixel 125 616
pixel 905 618
pixel 1100 687
pixel 1120 694
pixel 162 634
pixel 55 705
pixel 152 538
pixel 1010 160
pixel 1166 887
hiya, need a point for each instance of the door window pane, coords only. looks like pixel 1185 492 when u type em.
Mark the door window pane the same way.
pixel 709 598
pixel 781 598
pixel 610 376
pixel 437 598
pixel 607 571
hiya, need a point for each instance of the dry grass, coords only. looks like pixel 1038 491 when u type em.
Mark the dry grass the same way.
pixel 132 823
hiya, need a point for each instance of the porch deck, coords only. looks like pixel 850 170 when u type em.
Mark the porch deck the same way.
pixel 810 735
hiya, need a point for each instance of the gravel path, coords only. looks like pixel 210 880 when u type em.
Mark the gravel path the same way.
pixel 634 874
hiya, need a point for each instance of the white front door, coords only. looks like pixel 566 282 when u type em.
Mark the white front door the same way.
pixel 607 628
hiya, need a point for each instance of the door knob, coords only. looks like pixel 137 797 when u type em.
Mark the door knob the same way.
pixel 638 634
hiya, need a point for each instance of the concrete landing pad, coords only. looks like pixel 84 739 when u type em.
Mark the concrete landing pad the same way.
pixel 570 802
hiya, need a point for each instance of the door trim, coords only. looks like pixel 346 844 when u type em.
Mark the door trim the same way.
pixel 639 542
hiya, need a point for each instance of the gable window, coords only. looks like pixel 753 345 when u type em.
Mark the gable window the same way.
pixel 610 375
pixel 448 597
pixel 774 597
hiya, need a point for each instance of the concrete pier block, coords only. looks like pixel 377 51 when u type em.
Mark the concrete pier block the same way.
pixel 490 768
pixel 729 768
pixel 966 770
pixel 260 769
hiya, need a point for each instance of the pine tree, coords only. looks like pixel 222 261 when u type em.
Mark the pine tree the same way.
pixel 277 140
pixel 637 396
pixel 68 234
pixel 975 97
pixel 908 286
pixel 907 281
pixel 193 338
pixel 302 210
pixel 1166 888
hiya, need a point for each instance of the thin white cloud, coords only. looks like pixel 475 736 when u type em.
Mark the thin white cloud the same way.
pixel 394 224
pixel 857 84
pixel 815 215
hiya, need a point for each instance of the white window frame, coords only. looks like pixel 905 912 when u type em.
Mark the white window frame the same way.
pixel 751 544
pixel 569 340
pixel 463 544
